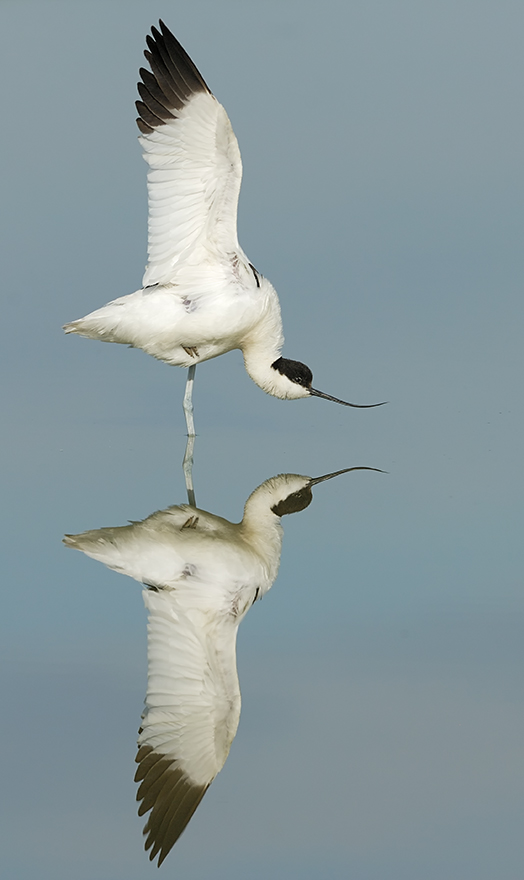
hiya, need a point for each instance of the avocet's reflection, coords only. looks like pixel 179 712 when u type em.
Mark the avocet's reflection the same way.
pixel 201 575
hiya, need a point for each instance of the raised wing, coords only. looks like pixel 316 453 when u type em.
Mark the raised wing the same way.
pixel 195 168
pixel 191 715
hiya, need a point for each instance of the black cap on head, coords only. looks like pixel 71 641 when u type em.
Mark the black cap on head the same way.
pixel 295 371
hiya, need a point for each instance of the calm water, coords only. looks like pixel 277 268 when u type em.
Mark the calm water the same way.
pixel 382 724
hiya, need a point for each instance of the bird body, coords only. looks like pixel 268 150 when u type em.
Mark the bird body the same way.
pixel 160 551
pixel 202 574
pixel 208 310
pixel 201 297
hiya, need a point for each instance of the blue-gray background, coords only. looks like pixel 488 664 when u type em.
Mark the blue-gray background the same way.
pixel 383 716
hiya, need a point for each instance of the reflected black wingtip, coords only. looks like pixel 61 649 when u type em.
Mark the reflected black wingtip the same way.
pixel 171 796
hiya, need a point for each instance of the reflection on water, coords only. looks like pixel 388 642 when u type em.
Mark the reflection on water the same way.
pixel 201 575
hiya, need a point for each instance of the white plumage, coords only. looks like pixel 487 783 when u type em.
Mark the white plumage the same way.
pixel 201 297
pixel 193 188
pixel 202 574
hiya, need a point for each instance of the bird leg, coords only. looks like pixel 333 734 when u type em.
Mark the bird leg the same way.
pixel 188 401
pixel 190 445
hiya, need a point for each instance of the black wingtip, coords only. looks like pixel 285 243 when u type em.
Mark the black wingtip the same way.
pixel 173 80
pixel 182 59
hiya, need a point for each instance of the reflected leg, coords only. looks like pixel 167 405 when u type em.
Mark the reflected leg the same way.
pixel 190 445
pixel 188 469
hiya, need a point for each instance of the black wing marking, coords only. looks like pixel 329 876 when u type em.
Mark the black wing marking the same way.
pixel 172 83
pixel 170 795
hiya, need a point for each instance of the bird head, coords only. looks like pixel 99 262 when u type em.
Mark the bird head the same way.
pixel 294 381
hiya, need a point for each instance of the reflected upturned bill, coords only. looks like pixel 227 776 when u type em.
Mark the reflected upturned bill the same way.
pixel 201 574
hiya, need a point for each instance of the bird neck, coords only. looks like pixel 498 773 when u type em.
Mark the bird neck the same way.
pixel 260 525
pixel 257 361
pixel 261 347
pixel 261 529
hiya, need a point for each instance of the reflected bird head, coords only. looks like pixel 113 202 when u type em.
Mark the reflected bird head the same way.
pixel 301 497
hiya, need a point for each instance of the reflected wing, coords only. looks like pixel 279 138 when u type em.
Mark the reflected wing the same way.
pixel 195 167
pixel 191 715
